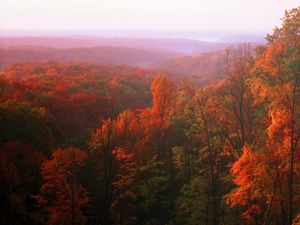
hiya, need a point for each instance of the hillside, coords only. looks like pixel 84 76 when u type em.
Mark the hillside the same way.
pixel 199 69
pixel 186 46
pixel 111 55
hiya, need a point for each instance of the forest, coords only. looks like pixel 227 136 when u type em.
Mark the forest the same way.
pixel 207 139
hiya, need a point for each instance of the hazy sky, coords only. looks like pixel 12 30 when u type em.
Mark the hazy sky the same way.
pixel 210 15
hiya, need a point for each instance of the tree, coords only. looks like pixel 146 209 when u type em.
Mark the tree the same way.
pixel 20 179
pixel 62 196
pixel 163 92
pixel 31 125
pixel 155 200
pixel 235 98
pixel 191 205
pixel 125 189
pixel 277 81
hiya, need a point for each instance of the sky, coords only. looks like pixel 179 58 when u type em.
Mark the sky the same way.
pixel 161 15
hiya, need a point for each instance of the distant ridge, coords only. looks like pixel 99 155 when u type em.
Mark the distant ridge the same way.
pixel 185 46
pixel 102 54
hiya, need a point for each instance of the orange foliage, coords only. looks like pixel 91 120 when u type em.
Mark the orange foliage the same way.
pixel 62 195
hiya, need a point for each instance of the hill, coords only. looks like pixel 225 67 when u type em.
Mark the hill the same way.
pixel 186 46
pixel 111 55
pixel 199 69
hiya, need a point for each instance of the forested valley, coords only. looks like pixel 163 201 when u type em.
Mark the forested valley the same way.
pixel 87 142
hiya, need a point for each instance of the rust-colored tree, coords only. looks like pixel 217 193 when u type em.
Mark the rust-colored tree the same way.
pixel 163 92
pixel 62 196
